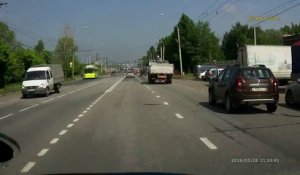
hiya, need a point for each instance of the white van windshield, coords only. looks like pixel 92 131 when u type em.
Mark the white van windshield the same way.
pixel 35 75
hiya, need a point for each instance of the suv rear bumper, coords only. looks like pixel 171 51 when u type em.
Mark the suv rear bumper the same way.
pixel 257 101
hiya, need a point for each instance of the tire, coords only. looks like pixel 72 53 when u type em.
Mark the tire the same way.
pixel 289 99
pixel 211 98
pixel 271 107
pixel 149 79
pixel 228 104
pixel 24 96
pixel 56 88
pixel 47 92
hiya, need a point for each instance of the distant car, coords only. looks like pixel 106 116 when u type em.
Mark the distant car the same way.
pixel 238 86
pixel 292 93
pixel 129 74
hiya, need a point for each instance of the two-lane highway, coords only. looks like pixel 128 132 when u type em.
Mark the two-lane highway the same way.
pixel 122 124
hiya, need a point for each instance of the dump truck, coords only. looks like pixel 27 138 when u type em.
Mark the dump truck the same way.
pixel 160 71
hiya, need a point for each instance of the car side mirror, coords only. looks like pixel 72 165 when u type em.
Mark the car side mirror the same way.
pixel 298 80
pixel 8 148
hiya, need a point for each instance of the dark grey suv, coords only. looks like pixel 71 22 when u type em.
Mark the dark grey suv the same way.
pixel 238 86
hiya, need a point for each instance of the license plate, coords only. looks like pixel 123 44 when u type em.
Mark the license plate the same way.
pixel 31 90
pixel 161 76
pixel 259 89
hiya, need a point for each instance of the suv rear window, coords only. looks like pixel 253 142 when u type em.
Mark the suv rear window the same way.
pixel 256 73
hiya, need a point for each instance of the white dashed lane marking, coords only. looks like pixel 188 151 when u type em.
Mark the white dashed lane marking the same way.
pixel 53 141
pixel 208 143
pixel 63 132
pixel 27 167
pixel 80 115
pixel 158 96
pixel 6 116
pixel 28 108
pixel 166 103
pixel 153 92
pixel 84 112
pixel 75 120
pixel 179 116
pixel 42 152
pixel 70 125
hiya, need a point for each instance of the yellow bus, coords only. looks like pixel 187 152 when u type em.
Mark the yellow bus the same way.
pixel 90 71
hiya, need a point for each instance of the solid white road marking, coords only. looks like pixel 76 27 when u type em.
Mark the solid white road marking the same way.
pixel 166 103
pixel 179 116
pixel 80 115
pixel 113 86
pixel 208 143
pixel 71 92
pixel 61 96
pixel 62 132
pixel 28 108
pixel 84 112
pixel 42 152
pixel 76 120
pixel 53 141
pixel 70 125
pixel 158 96
pixel 27 167
pixel 6 116
pixel 48 100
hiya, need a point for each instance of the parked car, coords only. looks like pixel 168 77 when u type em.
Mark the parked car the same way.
pixel 238 86
pixel 212 73
pixel 292 93
pixel 200 70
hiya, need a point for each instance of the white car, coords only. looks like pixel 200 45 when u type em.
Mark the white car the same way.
pixel 129 74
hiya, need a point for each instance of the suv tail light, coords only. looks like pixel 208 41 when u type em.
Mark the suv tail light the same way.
pixel 239 83
pixel 274 84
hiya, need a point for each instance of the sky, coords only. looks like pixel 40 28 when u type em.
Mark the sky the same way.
pixel 124 30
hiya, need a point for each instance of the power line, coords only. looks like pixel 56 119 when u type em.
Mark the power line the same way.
pixel 278 13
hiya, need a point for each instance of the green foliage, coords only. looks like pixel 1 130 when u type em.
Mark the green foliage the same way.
pixel 198 44
pixel 15 60
pixel 64 50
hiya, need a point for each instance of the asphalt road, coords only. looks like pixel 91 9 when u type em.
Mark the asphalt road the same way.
pixel 118 124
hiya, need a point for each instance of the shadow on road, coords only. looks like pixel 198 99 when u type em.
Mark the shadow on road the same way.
pixel 219 108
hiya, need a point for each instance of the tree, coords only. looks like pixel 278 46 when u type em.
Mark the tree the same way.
pixel 208 48
pixel 64 50
pixel 237 36
pixel 39 48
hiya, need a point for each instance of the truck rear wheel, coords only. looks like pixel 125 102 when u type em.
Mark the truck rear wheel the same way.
pixel 57 88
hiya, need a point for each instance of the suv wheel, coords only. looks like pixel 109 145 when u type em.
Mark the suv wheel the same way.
pixel 289 99
pixel 211 98
pixel 271 107
pixel 228 104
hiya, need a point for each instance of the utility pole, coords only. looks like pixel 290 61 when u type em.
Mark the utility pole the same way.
pixel 73 55
pixel 254 31
pixel 179 47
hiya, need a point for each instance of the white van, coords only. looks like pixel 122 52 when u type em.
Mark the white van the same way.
pixel 42 79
